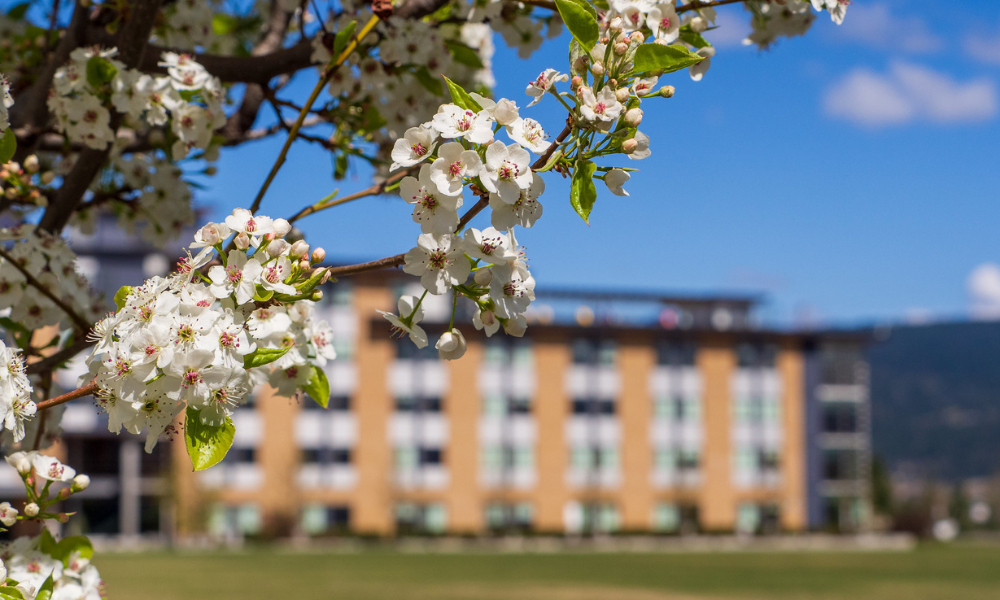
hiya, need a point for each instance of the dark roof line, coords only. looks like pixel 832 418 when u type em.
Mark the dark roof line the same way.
pixel 626 295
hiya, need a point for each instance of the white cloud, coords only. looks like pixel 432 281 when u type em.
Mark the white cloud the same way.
pixel 876 25
pixel 983 48
pixel 909 93
pixel 984 291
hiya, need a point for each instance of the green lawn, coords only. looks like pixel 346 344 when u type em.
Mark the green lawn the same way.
pixel 929 573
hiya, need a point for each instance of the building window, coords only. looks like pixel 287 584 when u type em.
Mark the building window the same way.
pixel 678 409
pixel 840 465
pixel 336 404
pixel 592 517
pixel 507 517
pixel 669 517
pixel 232 521
pixel 320 519
pixel 758 518
pixel 240 456
pixel 418 405
pixel 840 417
pixel 326 456
pixel 495 405
pixel 594 352
pixel 585 407
pixel 675 354
pixel 414 518
pixel 841 365
pixel 588 458
pixel 756 356
pixel 413 457
pixel 507 457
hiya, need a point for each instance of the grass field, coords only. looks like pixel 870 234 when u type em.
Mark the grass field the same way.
pixel 929 573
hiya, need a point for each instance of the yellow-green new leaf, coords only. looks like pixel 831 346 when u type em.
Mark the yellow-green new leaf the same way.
pixel 460 97
pixel 263 356
pixel 655 57
pixel 318 387
pixel 583 192
pixel 582 23
pixel 8 146
pixel 207 445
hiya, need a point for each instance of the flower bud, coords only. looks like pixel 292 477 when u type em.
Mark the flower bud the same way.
pixel 10 193
pixel 318 255
pixel 629 146
pixel 615 25
pixel 451 345
pixel 299 249
pixel 581 63
pixel 622 38
pixel 698 24
pixel 317 296
pixel 505 112
pixel 281 227
pixel 210 234
pixel 80 483
pixel 8 514
pixel 304 264
pixel 661 41
pixel 242 241
pixel 31 509
pixel 483 277
pixel 64 493
pixel 597 69
pixel 637 37
pixel 31 164
pixel 633 117
pixel 621 94
pixel 269 237
pixel 62 517
pixel 21 462
pixel 276 248
pixel 325 277
pixel 47 177
pixel 211 171
pixel 576 82
pixel 667 91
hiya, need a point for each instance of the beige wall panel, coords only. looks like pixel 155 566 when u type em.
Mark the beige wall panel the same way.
pixel 636 360
pixel 552 358
pixel 462 405
pixel 791 365
pixel 717 508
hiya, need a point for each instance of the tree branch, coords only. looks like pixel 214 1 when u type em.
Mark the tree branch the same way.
pixel 82 324
pixel 374 190
pixel 77 393
pixel 131 42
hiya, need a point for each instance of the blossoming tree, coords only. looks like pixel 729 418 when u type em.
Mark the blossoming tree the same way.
pixel 107 107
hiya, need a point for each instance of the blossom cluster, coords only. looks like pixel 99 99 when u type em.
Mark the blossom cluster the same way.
pixel 52 266
pixel 188 97
pixel 22 183
pixel 15 392
pixel 191 339
pixel 34 565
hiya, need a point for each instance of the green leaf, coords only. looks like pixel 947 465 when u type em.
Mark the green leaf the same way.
pixel 8 146
pixel 46 543
pixel 339 166
pixel 9 592
pixel 464 54
pixel 67 546
pixel 583 193
pixel 655 57
pixel 558 154
pixel 461 97
pixel 223 24
pixel 372 119
pixel 263 356
pixel 16 13
pixel 427 80
pixel 580 21
pixel 12 325
pixel 343 38
pixel 206 444
pixel 693 38
pixel 262 294
pixel 100 71
pixel 318 387
pixel 575 52
pixel 121 296
pixel 45 592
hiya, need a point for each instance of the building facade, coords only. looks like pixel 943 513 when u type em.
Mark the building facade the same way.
pixel 591 423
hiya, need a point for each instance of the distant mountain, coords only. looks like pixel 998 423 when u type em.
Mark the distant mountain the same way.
pixel 936 399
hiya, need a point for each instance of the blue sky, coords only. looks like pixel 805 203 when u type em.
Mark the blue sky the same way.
pixel 851 175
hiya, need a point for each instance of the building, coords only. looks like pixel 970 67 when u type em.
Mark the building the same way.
pixel 615 413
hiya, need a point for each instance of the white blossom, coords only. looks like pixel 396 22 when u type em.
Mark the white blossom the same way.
pixel 507 171
pixel 411 312
pixel 615 179
pixel 537 88
pixel 439 261
pixel 453 165
pixel 435 211
pixel 452 121
pixel 416 144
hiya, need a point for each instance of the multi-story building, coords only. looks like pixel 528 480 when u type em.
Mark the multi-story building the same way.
pixel 654 413
pixel 614 413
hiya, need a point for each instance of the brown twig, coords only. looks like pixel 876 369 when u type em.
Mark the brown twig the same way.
pixel 86 390
pixel 374 190
pixel 49 362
